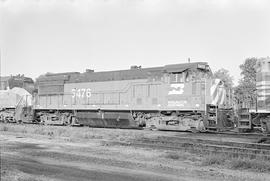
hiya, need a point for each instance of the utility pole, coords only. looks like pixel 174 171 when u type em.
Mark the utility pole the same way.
pixel 0 69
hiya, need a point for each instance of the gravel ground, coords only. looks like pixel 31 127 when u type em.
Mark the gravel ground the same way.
pixel 36 157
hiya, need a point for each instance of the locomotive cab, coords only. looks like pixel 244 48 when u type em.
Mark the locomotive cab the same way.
pixel 187 95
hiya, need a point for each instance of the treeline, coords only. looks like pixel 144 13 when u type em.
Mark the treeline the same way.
pixel 244 94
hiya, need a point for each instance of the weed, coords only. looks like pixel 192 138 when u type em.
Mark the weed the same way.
pixel 50 133
pixel 173 156
pixel 257 165
pixel 240 163
pixel 87 135
pixel 214 160
pixel 60 132
pixel 24 130
pixel 4 128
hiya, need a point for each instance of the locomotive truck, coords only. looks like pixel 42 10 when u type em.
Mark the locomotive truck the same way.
pixel 170 97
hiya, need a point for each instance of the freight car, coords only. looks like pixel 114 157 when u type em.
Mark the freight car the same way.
pixel 174 97
pixel 10 102
pixel 260 116
pixel 15 93
pixel 19 80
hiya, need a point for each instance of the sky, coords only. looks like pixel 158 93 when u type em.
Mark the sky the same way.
pixel 40 36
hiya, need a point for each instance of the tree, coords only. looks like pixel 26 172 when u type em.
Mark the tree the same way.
pixel 224 75
pixel 245 92
pixel 248 70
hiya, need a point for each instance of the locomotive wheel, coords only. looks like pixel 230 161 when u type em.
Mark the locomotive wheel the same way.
pixel 18 121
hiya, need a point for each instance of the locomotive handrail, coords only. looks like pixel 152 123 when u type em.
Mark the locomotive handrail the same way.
pixel 18 103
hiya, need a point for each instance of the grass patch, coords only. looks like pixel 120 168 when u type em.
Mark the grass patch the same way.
pixel 256 165
pixel 176 155
pixel 72 133
pixel 172 155
pixel 54 131
pixel 3 128
pixel 16 175
pixel 240 163
pixel 214 160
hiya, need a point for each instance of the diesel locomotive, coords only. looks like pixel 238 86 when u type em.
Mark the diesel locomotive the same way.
pixel 259 117
pixel 174 97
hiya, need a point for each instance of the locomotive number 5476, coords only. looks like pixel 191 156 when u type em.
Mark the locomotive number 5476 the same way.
pixel 81 93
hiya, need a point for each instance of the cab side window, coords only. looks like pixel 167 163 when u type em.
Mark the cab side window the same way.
pixel 178 77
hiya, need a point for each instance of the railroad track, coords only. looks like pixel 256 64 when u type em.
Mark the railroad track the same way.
pixel 234 149
pixel 187 136
pixel 201 145
pixel 226 133
pixel 184 139
pixel 233 133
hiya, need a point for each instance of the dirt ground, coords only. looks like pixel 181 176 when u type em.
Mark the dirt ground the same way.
pixel 31 157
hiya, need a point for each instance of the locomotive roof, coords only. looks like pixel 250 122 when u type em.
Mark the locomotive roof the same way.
pixel 134 73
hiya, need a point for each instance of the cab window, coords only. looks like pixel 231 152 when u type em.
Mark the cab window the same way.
pixel 177 77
